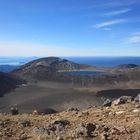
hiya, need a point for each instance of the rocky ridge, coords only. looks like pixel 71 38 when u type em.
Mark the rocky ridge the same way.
pixel 119 120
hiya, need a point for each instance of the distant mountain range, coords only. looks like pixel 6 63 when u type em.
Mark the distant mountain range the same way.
pixel 51 69
pixel 8 64
pixel 16 60
pixel 8 68
pixel 47 69
pixel 127 66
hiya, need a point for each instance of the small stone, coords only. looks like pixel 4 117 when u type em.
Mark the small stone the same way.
pixel 104 136
pixel 97 115
pixel 35 112
pixel 135 110
pixel 80 114
pixel 107 108
pixel 44 111
pixel 61 121
pixel 60 138
pixel 85 112
pixel 119 112
pixel 137 106
pixel 25 123
pixel 107 103
pixel 2 123
pixel 14 111
pixel 100 119
pixel 110 113
pixel 106 129
pixel 73 109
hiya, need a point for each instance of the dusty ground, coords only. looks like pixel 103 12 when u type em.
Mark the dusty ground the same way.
pixel 59 96
pixel 117 122
pixel 43 95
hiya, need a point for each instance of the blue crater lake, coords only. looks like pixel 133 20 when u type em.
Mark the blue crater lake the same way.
pixel 83 72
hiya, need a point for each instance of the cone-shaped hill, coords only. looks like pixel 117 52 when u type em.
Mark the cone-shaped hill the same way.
pixel 46 68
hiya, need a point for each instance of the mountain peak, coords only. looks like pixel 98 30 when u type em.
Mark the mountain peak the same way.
pixel 47 67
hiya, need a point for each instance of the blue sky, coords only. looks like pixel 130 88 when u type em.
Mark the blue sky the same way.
pixel 69 28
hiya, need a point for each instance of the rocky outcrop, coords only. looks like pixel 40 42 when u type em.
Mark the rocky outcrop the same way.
pixel 137 98
pixel 54 129
pixel 97 123
pixel 122 100
pixel 107 102
pixel 85 130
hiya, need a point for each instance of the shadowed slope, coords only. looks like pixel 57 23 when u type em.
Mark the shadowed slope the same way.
pixel 8 82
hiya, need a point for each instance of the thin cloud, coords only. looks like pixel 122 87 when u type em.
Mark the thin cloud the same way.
pixel 118 12
pixel 31 49
pixel 136 34
pixel 114 4
pixel 106 29
pixel 109 23
pixel 133 38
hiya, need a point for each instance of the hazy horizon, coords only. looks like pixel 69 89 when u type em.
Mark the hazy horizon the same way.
pixel 105 61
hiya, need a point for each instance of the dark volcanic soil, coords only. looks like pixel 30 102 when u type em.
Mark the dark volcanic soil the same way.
pixel 116 93
pixel 44 95
pixel 60 97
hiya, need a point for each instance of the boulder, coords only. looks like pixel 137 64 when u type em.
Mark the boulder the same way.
pixel 107 102
pixel 58 126
pixel 85 130
pixel 14 111
pixel 55 128
pixel 117 130
pixel 60 122
pixel 122 100
pixel 137 98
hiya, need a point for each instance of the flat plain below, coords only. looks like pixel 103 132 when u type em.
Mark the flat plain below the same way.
pixel 43 95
